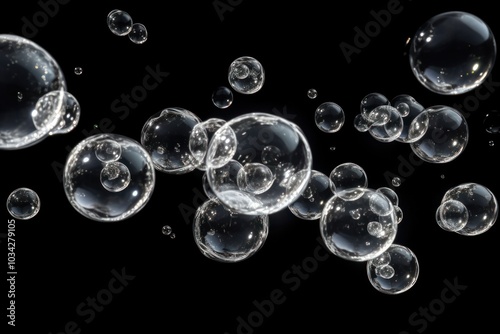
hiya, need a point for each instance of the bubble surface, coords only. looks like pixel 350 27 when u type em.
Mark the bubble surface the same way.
pixel 452 53
pixel 138 33
pixel 246 75
pixel 329 117
pixel 119 22
pixel 23 203
pixel 222 97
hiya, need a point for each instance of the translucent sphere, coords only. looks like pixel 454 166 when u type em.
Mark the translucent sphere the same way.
pixel 225 236
pixel 439 134
pixel 23 203
pixel 491 122
pixel 409 108
pixel 119 22
pixel 32 93
pixel 394 271
pixel 360 228
pixel 275 158
pixel 467 209
pixel 329 117
pixel 385 123
pixel 246 75
pixel 452 53
pixel 138 33
pixel 348 177
pixel 310 204
pixel 166 136
pixel 222 97
pixel 371 101
pixel 199 138
pixel 108 177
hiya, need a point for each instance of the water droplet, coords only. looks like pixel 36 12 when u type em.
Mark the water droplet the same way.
pixel 138 34
pixel 312 93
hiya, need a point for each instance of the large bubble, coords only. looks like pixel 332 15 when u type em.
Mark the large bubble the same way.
pixel 452 53
pixel 275 160
pixel 33 96
pixel 108 177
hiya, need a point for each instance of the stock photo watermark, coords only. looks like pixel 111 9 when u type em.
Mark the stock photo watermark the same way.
pixel 222 7
pixel 420 319
pixel 88 309
pixel 48 10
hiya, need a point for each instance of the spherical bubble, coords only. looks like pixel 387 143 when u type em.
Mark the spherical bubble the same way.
pixel 358 229
pixel 329 117
pixel 222 97
pixel 371 101
pixel 452 215
pixel 246 75
pixel 394 271
pixel 23 203
pixel 119 22
pixel 138 33
pixel 348 177
pixel 199 138
pixel 310 204
pixel 259 138
pixel 226 236
pixel 492 122
pixel 439 134
pixel 312 93
pixel 255 178
pixel 70 115
pixel 452 53
pixel 409 108
pixel 480 203
pixel 110 190
pixel 33 92
pixel 390 194
pixel 166 135
pixel 387 125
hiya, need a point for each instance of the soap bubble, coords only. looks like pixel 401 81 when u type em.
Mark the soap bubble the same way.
pixel 33 94
pixel 166 136
pixel 226 236
pixel 385 123
pixel 439 134
pixel 222 97
pixel 138 33
pixel 310 204
pixel 409 108
pixel 470 202
pixel 263 139
pixel 492 122
pixel 452 53
pixel 246 75
pixel 329 117
pixel 106 183
pixel 312 93
pixel 348 177
pixel 361 228
pixel 200 136
pixel 119 22
pixel 394 271
pixel 23 203
pixel 371 101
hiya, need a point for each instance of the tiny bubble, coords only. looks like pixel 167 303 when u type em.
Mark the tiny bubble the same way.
pixel 396 182
pixel 78 70
pixel 166 230
pixel 312 93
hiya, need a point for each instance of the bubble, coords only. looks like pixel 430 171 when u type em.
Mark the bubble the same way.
pixel 255 178
pixel 226 236
pixel 394 271
pixel 108 191
pixel 222 97
pixel 119 22
pixel 246 75
pixel 78 70
pixel 312 93
pixel 478 207
pixel 409 108
pixel 492 122
pixel 439 134
pixel 311 202
pixel 70 116
pixel 329 117
pixel 452 53
pixel 491 143
pixel 166 230
pixel 138 33
pixel 23 203
pixel 390 194
pixel 396 181
pixel 33 93
pixel 199 138
pixel 166 136
pixel 244 139
pixel 348 176
pixel 385 123
pixel 361 236
pixel 108 150
pixel 371 101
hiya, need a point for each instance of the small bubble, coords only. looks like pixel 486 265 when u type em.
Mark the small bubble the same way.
pixel 492 122
pixel 19 96
pixel 333 148
pixel 119 22
pixel 443 176
pixel 138 34
pixel 312 93
pixel 78 70
pixel 172 235
pixel 166 230
pixel 222 97
pixel 396 182
pixel 491 143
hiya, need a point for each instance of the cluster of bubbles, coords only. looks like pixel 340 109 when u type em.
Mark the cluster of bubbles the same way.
pixel 436 134
pixel 23 203
pixel 121 24
pixel 35 101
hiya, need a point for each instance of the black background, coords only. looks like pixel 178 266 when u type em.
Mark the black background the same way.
pixel 63 258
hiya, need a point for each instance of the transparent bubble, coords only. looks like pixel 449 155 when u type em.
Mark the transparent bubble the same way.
pixel 119 22
pixel 309 205
pixel 361 228
pixel 78 71
pixel 200 136
pixel 224 178
pixel 166 136
pixel 480 203
pixel 207 189
pixel 255 178
pixel 244 139
pixel 108 150
pixel 394 271
pixel 409 108
pixel 23 203
pixel 222 97
pixel 452 215
pixel 439 134
pixel 312 93
pixel 385 123
pixel 452 53
pixel 329 117
pixel 32 93
pixel 399 214
pixel 112 190
pixel 390 194
pixel 348 176
pixel 70 116
pixel 166 230
pixel 138 33
pixel 491 143
pixel 226 236
pixel 492 122
pixel 396 181
pixel 246 75
pixel 371 101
